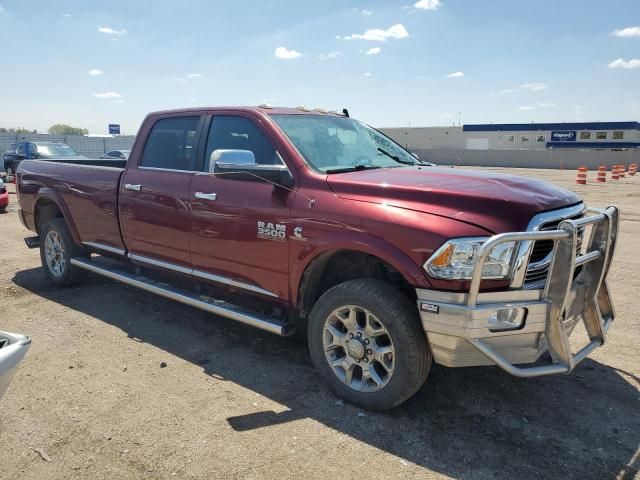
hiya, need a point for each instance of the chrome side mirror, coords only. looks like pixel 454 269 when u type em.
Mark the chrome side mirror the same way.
pixel 229 159
pixel 241 165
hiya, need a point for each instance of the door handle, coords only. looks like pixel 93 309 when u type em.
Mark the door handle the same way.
pixel 130 186
pixel 206 196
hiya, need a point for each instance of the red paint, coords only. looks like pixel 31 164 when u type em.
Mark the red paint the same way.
pixel 400 215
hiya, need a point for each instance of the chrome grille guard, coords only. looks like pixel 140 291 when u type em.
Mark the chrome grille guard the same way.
pixel 595 309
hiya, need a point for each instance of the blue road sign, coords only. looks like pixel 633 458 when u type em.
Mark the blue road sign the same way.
pixel 114 129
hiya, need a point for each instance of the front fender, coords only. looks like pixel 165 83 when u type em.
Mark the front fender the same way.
pixel 304 254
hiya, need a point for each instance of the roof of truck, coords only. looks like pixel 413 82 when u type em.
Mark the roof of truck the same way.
pixel 268 109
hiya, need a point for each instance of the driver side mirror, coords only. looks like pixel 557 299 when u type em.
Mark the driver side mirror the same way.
pixel 241 165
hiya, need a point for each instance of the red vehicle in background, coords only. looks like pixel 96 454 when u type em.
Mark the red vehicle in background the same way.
pixel 288 219
pixel 4 197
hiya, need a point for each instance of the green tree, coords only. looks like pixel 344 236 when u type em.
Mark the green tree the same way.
pixel 62 129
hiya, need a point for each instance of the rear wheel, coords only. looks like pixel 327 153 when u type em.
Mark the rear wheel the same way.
pixel 57 248
pixel 367 343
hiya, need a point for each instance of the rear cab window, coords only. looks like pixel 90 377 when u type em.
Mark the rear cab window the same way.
pixel 172 144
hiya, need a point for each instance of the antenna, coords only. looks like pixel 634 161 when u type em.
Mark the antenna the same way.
pixel 345 112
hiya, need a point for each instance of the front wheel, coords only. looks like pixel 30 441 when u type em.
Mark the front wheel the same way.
pixel 367 343
pixel 57 248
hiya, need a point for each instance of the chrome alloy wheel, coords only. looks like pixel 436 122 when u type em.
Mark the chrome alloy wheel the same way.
pixel 358 348
pixel 54 253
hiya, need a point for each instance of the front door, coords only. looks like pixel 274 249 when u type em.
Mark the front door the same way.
pixel 154 195
pixel 239 227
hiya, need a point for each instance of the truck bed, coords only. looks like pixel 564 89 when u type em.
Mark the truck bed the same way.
pixel 88 188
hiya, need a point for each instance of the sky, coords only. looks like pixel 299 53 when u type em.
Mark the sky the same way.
pixel 391 63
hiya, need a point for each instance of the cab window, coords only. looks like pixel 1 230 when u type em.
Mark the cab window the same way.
pixel 172 144
pixel 239 133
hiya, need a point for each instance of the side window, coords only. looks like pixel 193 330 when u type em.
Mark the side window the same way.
pixel 20 149
pixel 172 144
pixel 239 133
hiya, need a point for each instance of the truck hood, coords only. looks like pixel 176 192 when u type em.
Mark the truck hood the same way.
pixel 496 202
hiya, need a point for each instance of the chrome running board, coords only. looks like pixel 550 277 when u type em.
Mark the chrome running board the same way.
pixel 201 302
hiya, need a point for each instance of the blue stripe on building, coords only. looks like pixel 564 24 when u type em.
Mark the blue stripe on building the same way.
pixel 528 127
pixel 606 145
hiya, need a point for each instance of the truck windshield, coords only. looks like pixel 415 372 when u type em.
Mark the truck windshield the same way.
pixel 56 150
pixel 335 144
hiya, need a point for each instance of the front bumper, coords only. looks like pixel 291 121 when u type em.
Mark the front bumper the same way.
pixel 460 328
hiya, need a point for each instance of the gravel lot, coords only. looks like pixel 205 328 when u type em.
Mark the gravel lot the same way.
pixel 121 384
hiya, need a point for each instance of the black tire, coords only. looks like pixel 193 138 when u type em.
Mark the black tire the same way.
pixel 69 275
pixel 399 316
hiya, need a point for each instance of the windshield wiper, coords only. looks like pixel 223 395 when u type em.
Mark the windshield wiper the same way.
pixel 357 168
pixel 396 158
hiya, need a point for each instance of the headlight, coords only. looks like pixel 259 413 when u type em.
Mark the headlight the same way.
pixel 456 259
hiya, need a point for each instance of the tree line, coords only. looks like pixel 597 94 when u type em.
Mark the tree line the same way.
pixel 57 129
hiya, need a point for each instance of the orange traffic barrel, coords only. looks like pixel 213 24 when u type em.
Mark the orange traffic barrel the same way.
pixel 581 179
pixel 621 170
pixel 602 174
pixel 633 168
pixel 614 172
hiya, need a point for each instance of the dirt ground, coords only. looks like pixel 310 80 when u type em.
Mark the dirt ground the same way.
pixel 93 400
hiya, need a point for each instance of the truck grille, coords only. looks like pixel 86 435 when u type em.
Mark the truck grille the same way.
pixel 540 259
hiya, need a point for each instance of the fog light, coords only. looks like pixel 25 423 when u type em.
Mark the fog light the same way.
pixel 507 319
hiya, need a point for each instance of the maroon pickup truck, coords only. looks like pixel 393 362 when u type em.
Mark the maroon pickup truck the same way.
pixel 290 219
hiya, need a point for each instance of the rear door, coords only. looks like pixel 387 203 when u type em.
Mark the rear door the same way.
pixel 154 193
pixel 239 227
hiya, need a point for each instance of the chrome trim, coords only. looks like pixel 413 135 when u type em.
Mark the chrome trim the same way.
pixel 103 247
pixel 253 167
pixel 158 169
pixel 133 187
pixel 206 196
pixel 159 263
pixel 232 283
pixel 203 303
pixel 525 249
pixel 438 296
pixel 200 274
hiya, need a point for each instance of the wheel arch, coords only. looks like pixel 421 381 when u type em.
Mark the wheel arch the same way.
pixel 48 205
pixel 331 266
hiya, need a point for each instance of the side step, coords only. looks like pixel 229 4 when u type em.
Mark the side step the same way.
pixel 208 304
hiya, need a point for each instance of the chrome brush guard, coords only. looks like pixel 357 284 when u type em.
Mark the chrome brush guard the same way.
pixel 568 296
